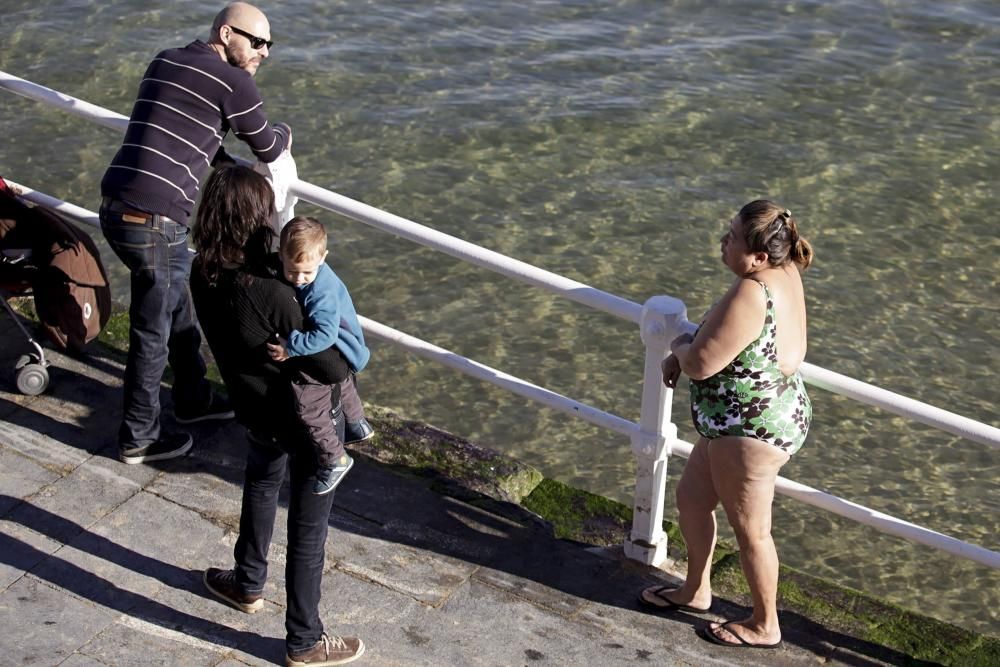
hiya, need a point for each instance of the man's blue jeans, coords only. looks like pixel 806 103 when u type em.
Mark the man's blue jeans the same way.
pixel 162 324
pixel 308 520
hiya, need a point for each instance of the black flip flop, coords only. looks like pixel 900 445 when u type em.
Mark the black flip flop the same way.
pixel 670 606
pixel 709 636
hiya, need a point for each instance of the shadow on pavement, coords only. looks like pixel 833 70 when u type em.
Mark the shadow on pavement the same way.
pixel 78 581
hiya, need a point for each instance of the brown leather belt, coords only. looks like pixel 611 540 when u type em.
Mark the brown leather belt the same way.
pixel 128 214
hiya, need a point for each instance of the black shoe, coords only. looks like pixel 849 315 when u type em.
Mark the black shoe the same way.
pixel 327 479
pixel 358 431
pixel 217 408
pixel 169 446
pixel 222 584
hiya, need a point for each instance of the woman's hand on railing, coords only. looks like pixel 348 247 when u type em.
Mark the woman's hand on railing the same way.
pixel 683 339
pixel 671 369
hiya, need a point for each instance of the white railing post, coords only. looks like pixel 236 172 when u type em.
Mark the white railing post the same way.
pixel 663 318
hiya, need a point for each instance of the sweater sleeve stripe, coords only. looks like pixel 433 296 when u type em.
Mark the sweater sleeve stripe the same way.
pixel 257 131
pixel 246 111
pixel 156 176
pixel 195 69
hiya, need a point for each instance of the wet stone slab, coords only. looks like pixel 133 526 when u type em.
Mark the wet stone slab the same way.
pixel 23 436
pixel 139 643
pixel 467 630
pixel 43 625
pixel 425 576
pixel 80 660
pixel 206 489
pixel 198 615
pixel 56 509
pixel 20 477
pixel 122 561
pixel 21 549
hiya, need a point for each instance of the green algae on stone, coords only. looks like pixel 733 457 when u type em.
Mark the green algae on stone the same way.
pixel 921 638
pixel 421 447
pixel 579 515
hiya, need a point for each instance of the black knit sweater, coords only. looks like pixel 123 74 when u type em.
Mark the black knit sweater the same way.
pixel 189 98
pixel 238 313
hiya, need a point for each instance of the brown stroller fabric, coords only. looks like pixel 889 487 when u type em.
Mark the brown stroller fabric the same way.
pixel 63 269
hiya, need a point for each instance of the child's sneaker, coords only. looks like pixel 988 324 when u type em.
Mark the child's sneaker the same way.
pixel 327 479
pixel 358 431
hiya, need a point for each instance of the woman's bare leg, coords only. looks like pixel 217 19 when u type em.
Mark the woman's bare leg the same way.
pixel 696 503
pixel 744 471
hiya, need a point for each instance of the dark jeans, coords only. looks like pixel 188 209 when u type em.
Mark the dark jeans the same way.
pixel 162 324
pixel 308 516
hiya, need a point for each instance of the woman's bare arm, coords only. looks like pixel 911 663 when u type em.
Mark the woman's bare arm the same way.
pixel 734 322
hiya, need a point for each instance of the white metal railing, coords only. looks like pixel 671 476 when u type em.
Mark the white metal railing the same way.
pixel 654 437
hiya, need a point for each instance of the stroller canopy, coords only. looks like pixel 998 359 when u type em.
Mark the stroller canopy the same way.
pixel 62 266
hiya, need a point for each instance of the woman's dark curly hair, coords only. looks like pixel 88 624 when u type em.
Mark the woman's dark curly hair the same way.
pixel 771 228
pixel 233 225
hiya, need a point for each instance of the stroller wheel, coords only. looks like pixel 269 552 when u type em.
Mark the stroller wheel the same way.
pixel 32 379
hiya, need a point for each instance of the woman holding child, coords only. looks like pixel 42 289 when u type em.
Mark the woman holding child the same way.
pixel 752 412
pixel 241 300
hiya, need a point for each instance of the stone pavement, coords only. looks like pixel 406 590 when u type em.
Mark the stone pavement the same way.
pixel 100 562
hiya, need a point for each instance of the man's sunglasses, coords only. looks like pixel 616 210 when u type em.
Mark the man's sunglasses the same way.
pixel 255 41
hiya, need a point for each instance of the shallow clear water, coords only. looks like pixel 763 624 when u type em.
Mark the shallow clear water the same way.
pixel 609 142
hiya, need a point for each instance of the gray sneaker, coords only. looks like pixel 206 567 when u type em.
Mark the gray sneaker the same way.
pixel 328 651
pixel 169 446
pixel 327 479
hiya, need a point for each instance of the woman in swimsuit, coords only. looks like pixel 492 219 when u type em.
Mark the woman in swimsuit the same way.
pixel 751 409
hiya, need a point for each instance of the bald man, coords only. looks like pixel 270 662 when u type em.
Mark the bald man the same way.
pixel 188 100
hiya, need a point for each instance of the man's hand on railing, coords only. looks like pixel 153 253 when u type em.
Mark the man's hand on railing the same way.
pixel 288 131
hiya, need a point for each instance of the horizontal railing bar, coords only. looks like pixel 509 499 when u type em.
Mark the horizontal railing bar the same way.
pixel 58 205
pixel 878 520
pixel 468 252
pixel 901 405
pixel 499 378
pixel 66 103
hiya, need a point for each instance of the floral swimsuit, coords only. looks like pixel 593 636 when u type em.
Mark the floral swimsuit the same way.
pixel 752 398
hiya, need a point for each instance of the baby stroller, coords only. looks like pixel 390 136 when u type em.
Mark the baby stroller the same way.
pixel 58 265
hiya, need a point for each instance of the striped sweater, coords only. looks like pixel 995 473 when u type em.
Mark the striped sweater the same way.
pixel 188 100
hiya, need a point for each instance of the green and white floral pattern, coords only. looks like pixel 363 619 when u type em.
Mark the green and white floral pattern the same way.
pixel 752 398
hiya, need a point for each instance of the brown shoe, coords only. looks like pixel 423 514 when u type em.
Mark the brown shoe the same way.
pixel 328 651
pixel 222 583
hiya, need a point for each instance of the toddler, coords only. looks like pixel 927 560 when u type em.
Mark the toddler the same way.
pixel 330 319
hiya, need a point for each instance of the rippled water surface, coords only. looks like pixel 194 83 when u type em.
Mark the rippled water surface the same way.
pixel 609 142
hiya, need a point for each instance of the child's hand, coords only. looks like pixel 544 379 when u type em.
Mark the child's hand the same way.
pixel 276 348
